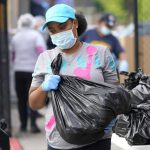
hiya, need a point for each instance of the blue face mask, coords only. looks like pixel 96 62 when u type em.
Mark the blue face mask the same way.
pixel 64 40
pixel 105 30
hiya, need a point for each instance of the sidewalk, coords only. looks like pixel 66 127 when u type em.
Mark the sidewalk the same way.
pixel 28 140
pixel 31 141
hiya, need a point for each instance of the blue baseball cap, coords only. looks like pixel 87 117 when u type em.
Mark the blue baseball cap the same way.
pixel 59 13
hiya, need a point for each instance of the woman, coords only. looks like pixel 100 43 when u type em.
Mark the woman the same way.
pixel 26 44
pixel 84 60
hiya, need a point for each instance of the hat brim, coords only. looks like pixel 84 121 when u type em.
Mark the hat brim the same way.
pixel 55 19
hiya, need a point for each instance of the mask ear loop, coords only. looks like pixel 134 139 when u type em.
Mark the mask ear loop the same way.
pixel 72 25
pixel 72 29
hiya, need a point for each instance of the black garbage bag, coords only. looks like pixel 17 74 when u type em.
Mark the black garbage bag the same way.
pixel 83 109
pixel 139 133
pixel 135 126
pixel 141 91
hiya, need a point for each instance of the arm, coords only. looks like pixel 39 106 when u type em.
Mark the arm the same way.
pixel 123 64
pixel 122 56
pixel 110 76
pixel 42 83
pixel 38 95
pixel 109 70
pixel 37 98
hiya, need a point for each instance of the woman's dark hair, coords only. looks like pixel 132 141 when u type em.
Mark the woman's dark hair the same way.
pixel 82 23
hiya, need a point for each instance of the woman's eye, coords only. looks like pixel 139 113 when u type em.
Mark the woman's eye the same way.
pixel 62 27
pixel 51 32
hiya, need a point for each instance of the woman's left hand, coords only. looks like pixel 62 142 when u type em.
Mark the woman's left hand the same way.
pixel 109 127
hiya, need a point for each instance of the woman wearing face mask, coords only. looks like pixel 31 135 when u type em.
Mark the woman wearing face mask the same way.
pixel 102 35
pixel 88 61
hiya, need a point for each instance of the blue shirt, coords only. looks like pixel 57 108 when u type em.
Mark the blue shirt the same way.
pixel 92 36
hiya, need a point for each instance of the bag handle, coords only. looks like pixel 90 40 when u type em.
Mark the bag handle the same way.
pixel 56 64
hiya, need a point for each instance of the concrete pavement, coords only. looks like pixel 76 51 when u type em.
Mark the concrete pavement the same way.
pixel 28 140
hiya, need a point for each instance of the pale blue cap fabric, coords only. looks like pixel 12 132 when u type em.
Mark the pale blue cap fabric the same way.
pixel 59 13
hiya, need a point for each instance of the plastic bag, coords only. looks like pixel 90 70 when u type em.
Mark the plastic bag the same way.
pixel 83 108
pixel 135 126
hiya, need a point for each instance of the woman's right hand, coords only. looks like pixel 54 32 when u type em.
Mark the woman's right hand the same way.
pixel 50 83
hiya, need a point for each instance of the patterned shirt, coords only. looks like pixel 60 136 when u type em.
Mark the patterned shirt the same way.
pixel 91 62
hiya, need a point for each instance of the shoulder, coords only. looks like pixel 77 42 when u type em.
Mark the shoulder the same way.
pixel 90 31
pixel 49 54
pixel 88 35
pixel 96 47
pixel 114 38
pixel 16 36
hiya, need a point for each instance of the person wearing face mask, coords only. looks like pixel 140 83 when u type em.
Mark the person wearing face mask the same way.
pixel 80 59
pixel 102 35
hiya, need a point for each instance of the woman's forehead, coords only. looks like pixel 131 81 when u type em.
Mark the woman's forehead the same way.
pixel 55 24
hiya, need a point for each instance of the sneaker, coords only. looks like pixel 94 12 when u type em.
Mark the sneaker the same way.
pixel 23 129
pixel 35 129
pixel 39 115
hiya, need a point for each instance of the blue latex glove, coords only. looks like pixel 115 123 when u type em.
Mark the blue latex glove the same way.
pixel 123 65
pixel 109 127
pixel 51 83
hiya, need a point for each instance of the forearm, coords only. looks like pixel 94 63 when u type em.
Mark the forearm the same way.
pixel 37 98
pixel 122 56
pixel 38 95
pixel 123 63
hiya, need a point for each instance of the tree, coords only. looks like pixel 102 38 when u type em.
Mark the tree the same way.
pixel 143 8
pixel 123 9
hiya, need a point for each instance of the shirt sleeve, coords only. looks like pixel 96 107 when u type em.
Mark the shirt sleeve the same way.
pixel 109 70
pixel 38 76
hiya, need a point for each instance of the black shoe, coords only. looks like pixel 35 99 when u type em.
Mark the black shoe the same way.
pixel 35 129
pixel 39 115
pixel 23 129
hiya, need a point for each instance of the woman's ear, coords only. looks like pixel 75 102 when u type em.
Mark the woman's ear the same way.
pixel 76 23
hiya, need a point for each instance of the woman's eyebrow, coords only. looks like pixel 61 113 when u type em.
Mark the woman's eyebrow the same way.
pixel 62 24
pixel 50 27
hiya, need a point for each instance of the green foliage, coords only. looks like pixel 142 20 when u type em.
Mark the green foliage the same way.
pixel 144 10
pixel 123 9
pixel 115 7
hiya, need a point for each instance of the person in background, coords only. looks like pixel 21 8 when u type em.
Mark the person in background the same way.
pixel 38 23
pixel 102 34
pixel 38 7
pixel 67 2
pixel 26 46
pixel 88 61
